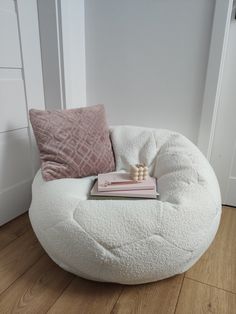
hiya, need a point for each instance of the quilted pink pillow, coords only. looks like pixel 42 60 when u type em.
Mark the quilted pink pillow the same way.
pixel 73 143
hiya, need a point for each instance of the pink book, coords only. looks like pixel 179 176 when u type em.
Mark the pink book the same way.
pixel 151 193
pixel 119 181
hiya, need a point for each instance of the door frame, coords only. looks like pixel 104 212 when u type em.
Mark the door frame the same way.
pixel 28 25
pixel 217 54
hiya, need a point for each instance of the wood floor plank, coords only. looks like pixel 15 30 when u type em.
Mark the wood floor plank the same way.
pixel 13 229
pixel 17 257
pixel 159 297
pixel 199 298
pixel 37 289
pixel 217 266
pixel 87 297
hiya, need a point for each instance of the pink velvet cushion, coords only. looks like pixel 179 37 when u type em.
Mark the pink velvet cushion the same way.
pixel 73 143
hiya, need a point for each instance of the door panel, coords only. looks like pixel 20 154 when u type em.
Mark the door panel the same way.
pixel 233 169
pixel 21 88
pixel 15 200
pixel 12 99
pixel 16 173
pixel 9 38
pixel 231 192
pixel 230 197
pixel 15 158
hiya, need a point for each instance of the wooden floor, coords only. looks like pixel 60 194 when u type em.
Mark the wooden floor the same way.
pixel 31 283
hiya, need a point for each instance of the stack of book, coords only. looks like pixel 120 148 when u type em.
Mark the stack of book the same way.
pixel 117 184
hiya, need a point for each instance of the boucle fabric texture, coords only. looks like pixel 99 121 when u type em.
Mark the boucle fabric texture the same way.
pixel 73 143
pixel 132 241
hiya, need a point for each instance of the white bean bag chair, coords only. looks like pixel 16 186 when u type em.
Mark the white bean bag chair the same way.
pixel 132 241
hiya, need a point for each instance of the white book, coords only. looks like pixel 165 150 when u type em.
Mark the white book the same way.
pixel 148 193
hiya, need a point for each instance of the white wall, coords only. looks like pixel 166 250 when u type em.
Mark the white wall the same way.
pixel 73 46
pixel 146 60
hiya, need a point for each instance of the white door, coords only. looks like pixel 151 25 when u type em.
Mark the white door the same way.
pixel 21 88
pixel 223 157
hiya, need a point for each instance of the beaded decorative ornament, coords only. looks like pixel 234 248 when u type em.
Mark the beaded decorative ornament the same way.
pixel 138 172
